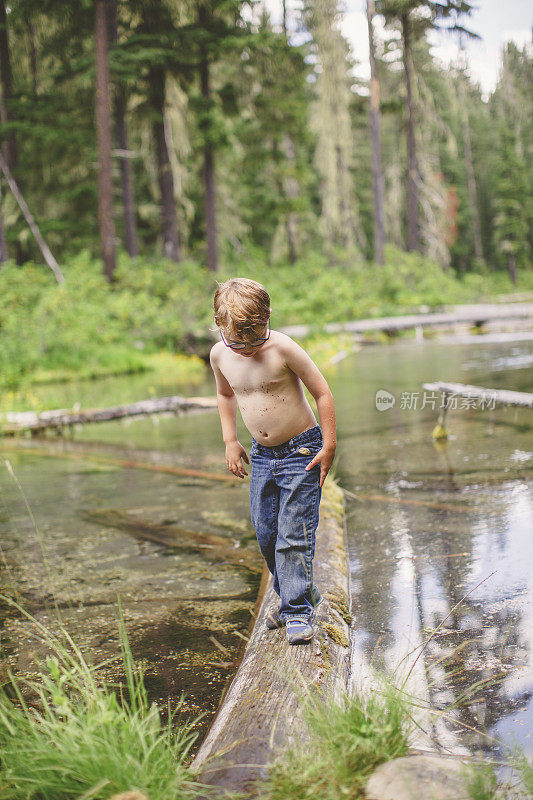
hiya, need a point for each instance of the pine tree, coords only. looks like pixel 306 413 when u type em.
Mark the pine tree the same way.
pixel 510 204
pixel 330 120
pixel 103 126
pixel 375 132
pixel 414 18
pixel 126 172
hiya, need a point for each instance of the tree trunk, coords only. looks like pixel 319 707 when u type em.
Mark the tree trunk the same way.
pixel 512 267
pixel 3 244
pixel 171 242
pixel 209 175
pixel 291 190
pixel 103 128
pixel 470 176
pixel 47 255
pixel 126 176
pixel 413 231
pixel 7 87
pixel 375 131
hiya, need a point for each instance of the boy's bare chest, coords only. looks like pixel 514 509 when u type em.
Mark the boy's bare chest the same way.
pixel 266 375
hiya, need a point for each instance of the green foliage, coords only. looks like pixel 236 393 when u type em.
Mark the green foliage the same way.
pixel 511 202
pixel 81 736
pixel 524 767
pixel 348 740
pixel 481 782
pixel 84 328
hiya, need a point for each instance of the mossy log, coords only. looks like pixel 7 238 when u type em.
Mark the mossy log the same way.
pixel 16 422
pixel 262 708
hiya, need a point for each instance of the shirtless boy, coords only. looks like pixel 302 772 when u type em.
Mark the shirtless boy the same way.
pixel 262 371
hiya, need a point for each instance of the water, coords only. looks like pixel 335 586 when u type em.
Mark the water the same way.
pixel 427 523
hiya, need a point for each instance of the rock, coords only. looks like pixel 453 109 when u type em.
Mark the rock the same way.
pixel 129 796
pixel 418 778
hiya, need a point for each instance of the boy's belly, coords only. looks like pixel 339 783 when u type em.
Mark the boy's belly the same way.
pixel 271 420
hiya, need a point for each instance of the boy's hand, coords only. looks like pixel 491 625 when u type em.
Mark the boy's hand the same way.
pixel 325 459
pixel 235 454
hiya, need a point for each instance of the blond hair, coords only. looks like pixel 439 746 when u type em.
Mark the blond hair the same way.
pixel 242 307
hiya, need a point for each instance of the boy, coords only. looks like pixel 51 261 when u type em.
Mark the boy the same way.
pixel 263 370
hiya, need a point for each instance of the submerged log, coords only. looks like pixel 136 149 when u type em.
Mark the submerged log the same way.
pixel 16 422
pixel 262 710
pixel 124 463
pixel 215 547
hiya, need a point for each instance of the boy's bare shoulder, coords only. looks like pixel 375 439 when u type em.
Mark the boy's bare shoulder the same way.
pixel 285 344
pixel 215 352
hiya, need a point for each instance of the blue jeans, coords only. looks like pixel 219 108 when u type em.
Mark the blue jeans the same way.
pixel 284 501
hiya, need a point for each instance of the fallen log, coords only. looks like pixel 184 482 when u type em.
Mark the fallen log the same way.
pixel 493 396
pixel 16 422
pixel 476 314
pixel 262 711
pixel 488 397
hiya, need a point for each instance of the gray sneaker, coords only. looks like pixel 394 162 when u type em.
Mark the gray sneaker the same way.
pixel 299 630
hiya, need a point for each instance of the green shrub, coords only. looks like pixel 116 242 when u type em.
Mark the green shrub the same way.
pixel 87 328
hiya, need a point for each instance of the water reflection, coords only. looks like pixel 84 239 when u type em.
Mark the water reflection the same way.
pixel 443 533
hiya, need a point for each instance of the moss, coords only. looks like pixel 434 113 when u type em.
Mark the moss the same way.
pixel 339 601
pixel 336 633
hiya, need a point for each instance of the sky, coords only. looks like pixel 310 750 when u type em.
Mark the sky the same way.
pixel 496 21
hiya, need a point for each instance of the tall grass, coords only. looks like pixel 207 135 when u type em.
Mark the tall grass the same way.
pixel 347 740
pixel 83 738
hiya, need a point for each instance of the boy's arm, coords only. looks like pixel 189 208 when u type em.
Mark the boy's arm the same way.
pixel 305 368
pixel 227 409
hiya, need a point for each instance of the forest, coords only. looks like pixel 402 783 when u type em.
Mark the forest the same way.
pixel 201 134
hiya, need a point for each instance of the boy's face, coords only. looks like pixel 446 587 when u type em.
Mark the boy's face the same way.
pixel 251 345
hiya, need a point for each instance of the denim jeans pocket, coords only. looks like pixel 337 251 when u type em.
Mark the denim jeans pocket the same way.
pixel 308 449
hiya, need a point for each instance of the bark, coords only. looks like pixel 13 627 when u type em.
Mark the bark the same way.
pixel 47 255
pixel 413 228
pixel 6 76
pixel 126 173
pixel 209 176
pixel 169 221
pixel 375 132
pixel 103 128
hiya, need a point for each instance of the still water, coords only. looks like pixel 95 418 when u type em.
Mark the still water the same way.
pixel 427 525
